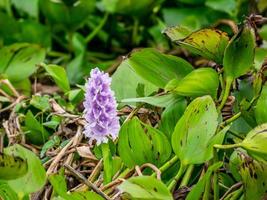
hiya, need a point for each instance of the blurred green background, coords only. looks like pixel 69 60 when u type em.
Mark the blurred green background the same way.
pixel 80 35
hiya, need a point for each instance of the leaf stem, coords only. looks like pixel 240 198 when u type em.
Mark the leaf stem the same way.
pixel 226 146
pixel 216 190
pixel 207 190
pixel 167 165
pixel 229 81
pixel 187 176
pixel 97 29
pixel 180 172
pixel 230 120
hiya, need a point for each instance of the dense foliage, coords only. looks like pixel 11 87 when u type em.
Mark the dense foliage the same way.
pixel 189 78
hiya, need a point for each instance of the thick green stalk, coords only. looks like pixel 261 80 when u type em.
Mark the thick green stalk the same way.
pixel 167 165
pixel 207 190
pixel 173 183
pixel 226 146
pixel 187 176
pixel 216 190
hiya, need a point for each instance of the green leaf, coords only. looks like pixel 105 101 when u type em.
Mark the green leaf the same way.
pixel 209 43
pixel 37 133
pixel 137 147
pixel 133 7
pixel 18 61
pixel 169 117
pixel 158 68
pixel 194 130
pixel 34 179
pixel 145 188
pixel 76 69
pixel 60 187
pixel 12 167
pixel 160 101
pixel 125 86
pixel 260 108
pixel 199 188
pixel 227 6
pixel 254 176
pixel 255 142
pixel 6 193
pixel 29 7
pixel 68 16
pixel 177 32
pixel 200 82
pixel 59 75
pixel 239 54
pixel 49 144
pixel 40 102
pixel 260 56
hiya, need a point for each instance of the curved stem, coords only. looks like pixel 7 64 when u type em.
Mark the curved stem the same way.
pixel 97 29
pixel 173 183
pixel 230 120
pixel 167 165
pixel 229 81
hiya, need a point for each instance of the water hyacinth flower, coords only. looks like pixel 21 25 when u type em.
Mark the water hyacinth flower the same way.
pixel 100 108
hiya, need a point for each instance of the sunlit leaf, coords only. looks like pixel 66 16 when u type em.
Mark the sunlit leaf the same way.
pixel 239 54
pixel 137 147
pixel 158 68
pixel 146 188
pixel 195 130
pixel 209 43
pixel 34 179
pixel 200 82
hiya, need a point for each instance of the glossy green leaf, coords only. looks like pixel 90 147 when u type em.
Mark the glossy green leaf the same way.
pixel 158 68
pixel 160 101
pixel 12 167
pixel 194 131
pixel 255 142
pixel 260 108
pixel 145 188
pixel 199 188
pixel 200 82
pixel 37 133
pixel 125 86
pixel 59 75
pixel 137 147
pixel 209 43
pixel 18 61
pixel 34 179
pixel 239 54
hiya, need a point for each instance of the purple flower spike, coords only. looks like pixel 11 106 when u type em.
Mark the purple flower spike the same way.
pixel 100 108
